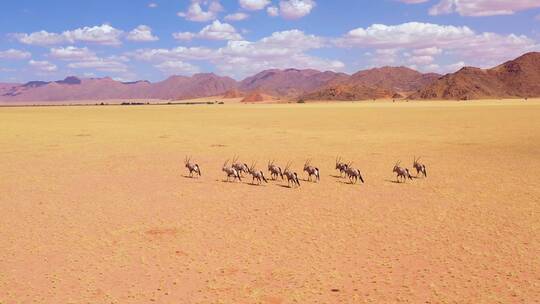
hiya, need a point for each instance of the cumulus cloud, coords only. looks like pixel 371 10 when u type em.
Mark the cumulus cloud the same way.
pixel 72 53
pixel 103 34
pixel 254 4
pixel 141 33
pixel 236 17
pixel 177 67
pixel 40 38
pixel 43 66
pixel 424 41
pixel 478 7
pixel 214 31
pixel 294 9
pixel 202 10
pixel 272 11
pixel 421 43
pixel 14 54
pixel 240 58
pixel 109 64
pixel 179 53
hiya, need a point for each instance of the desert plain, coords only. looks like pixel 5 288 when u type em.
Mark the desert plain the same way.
pixel 96 205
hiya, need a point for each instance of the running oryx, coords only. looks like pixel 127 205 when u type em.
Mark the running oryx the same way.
pixel 275 170
pixel 231 172
pixel 354 174
pixel 239 166
pixel 341 166
pixel 192 167
pixel 402 173
pixel 291 176
pixel 420 168
pixel 311 170
pixel 256 174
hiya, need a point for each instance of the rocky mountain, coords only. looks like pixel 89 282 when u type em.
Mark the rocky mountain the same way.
pixel 348 92
pixel 291 82
pixel 398 79
pixel 516 78
pixel 73 88
pixel 385 82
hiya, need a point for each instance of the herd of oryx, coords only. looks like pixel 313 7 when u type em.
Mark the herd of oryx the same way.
pixel 236 170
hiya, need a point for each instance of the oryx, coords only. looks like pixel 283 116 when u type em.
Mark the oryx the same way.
pixel 274 170
pixel 239 166
pixel 291 176
pixel 311 170
pixel 341 166
pixel 231 172
pixel 256 174
pixel 402 173
pixel 420 168
pixel 192 167
pixel 354 174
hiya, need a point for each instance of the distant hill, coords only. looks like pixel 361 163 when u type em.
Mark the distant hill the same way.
pixel 289 83
pixel 385 82
pixel 516 78
pixel 398 79
pixel 73 88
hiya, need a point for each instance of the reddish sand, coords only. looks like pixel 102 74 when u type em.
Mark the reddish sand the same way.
pixel 96 207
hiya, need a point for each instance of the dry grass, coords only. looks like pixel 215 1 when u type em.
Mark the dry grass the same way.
pixel 96 208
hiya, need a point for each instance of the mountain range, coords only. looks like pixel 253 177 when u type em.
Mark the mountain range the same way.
pixel 515 78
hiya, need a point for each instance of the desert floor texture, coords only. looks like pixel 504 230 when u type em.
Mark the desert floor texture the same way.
pixel 96 206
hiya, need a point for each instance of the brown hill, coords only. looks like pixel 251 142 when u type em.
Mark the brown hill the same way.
pixel 516 78
pixel 348 92
pixel 234 93
pixel 385 82
pixel 290 82
pixel 398 79
pixel 257 97
pixel 73 88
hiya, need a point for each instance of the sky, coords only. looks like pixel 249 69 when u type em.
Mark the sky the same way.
pixel 132 40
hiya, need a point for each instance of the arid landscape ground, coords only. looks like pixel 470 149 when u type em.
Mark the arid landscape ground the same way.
pixel 97 208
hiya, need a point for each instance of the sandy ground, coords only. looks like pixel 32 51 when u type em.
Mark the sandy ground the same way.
pixel 96 207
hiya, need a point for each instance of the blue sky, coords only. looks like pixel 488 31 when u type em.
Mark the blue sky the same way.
pixel 138 39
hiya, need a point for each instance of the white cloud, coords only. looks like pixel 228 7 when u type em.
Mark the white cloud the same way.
pixel 110 64
pixel 214 31
pixel 483 7
pixel 179 53
pixel 43 66
pixel 240 58
pixel 254 4
pixel 103 34
pixel 272 11
pixel 197 13
pixel 72 53
pixel 219 31
pixel 237 17
pixel 40 38
pixel 14 54
pixel 294 9
pixel 420 41
pixel 152 5
pixel 141 33
pixel 280 50
pixel 430 51
pixel 184 35
pixel 177 67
